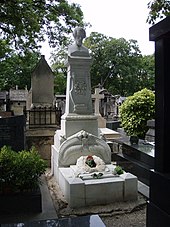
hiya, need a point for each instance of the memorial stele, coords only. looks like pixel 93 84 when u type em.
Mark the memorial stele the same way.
pixel 79 136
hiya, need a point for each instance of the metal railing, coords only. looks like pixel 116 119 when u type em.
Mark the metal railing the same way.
pixel 43 116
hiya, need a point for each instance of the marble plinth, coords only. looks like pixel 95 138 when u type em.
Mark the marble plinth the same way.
pixel 86 191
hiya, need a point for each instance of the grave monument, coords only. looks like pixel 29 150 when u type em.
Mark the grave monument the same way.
pixel 41 96
pixel 158 209
pixel 79 142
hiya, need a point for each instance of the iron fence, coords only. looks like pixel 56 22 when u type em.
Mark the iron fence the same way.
pixel 43 116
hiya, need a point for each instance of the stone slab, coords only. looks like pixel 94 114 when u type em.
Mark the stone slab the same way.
pixel 109 133
pixel 84 192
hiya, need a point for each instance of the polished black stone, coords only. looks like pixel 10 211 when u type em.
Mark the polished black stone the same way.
pixel 12 132
pixel 137 159
pixel 84 221
pixel 158 209
pixel 142 152
pixel 159 191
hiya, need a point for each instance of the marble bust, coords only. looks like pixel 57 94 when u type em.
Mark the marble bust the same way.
pixel 77 49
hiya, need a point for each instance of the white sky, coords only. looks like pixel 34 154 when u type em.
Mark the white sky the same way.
pixel 117 18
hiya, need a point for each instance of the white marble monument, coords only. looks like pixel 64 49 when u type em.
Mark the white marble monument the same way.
pixel 80 139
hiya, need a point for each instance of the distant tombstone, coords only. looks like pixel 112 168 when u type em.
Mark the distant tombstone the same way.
pixel 40 102
pixel 60 102
pixel 97 97
pixel 42 85
pixel 18 98
pixel 3 100
pixel 12 132
pixel 150 135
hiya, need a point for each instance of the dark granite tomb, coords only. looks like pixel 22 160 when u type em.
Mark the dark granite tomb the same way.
pixel 158 209
pixel 84 221
pixel 12 132
pixel 137 159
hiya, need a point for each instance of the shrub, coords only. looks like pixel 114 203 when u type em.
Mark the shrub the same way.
pixel 136 110
pixel 20 171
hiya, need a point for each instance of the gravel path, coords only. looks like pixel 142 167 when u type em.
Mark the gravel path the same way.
pixel 122 214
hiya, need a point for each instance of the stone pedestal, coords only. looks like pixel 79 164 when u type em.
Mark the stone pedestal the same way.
pixel 73 123
pixel 78 95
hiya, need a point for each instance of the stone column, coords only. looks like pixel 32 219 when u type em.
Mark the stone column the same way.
pixel 79 112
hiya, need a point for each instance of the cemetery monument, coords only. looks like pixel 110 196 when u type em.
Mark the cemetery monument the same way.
pixel 158 209
pixel 81 157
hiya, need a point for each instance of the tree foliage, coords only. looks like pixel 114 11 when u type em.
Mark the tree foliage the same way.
pixel 25 23
pixel 158 10
pixel 118 65
pixel 136 110
pixel 16 70
pixel 59 68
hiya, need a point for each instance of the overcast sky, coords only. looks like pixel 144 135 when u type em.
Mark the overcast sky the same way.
pixel 117 18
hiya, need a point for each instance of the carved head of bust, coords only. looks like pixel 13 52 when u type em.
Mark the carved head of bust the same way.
pixel 79 34
pixel 77 49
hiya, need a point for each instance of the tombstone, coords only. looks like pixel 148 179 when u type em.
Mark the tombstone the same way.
pixel 3 100
pixel 79 138
pixel 41 96
pixel 12 132
pixel 42 85
pixel 109 134
pixel 150 135
pixel 60 102
pixel 18 98
pixel 158 209
pixel 97 97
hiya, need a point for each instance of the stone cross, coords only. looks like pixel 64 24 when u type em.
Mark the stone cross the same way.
pixel 97 96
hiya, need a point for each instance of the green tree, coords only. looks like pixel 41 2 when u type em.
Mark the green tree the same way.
pixel 58 58
pixel 25 23
pixel 158 10
pixel 136 110
pixel 118 65
pixel 16 70
pixel 147 73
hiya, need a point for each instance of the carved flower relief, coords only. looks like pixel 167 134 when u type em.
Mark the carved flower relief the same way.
pixel 80 88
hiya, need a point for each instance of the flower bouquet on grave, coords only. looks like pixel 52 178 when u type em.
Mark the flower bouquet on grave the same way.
pixel 118 170
pixel 90 161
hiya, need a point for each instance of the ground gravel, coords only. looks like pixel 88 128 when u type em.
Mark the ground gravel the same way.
pixel 119 214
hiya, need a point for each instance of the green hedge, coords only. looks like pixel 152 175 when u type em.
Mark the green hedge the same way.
pixel 20 171
pixel 136 110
